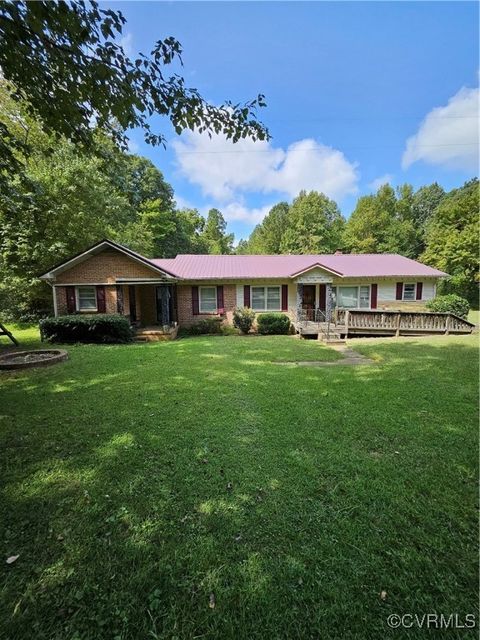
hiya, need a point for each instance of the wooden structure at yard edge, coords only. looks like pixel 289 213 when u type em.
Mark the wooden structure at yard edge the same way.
pixel 349 322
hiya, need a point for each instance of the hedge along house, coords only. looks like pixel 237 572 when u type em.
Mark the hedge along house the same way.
pixel 158 293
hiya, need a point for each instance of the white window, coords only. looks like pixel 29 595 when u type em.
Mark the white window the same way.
pixel 347 297
pixel 409 292
pixel 351 297
pixel 208 299
pixel 86 299
pixel 364 296
pixel 273 298
pixel 266 299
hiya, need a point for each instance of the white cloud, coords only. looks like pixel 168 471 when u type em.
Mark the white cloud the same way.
pixel 379 182
pixel 239 212
pixel 448 136
pixel 225 170
pixel 126 42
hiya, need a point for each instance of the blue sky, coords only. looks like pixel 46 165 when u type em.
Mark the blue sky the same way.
pixel 357 93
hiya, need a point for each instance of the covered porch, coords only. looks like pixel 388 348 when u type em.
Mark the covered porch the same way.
pixel 151 307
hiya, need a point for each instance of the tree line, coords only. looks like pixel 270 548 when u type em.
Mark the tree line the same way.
pixel 436 227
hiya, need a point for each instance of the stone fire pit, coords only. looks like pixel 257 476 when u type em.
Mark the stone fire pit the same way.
pixel 37 358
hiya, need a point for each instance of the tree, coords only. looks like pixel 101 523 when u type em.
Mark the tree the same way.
pixel 267 236
pixel 382 223
pixel 452 240
pixel 214 234
pixel 315 225
pixel 64 203
pixel 425 202
pixel 64 61
pixel 192 225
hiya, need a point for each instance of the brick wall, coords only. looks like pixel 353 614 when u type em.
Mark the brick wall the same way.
pixel 105 267
pixel 110 300
pixel 184 304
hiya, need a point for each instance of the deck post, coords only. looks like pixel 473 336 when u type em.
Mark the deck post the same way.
pixel 347 318
pixel 397 332
pixel 447 325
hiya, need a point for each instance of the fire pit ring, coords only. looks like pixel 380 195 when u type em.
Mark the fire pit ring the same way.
pixel 34 358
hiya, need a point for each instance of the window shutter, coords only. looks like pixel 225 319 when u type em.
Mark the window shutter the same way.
pixel 195 308
pixel 373 296
pixel 246 295
pixel 220 304
pixel 71 299
pixel 419 291
pixel 284 297
pixel 399 291
pixel 101 306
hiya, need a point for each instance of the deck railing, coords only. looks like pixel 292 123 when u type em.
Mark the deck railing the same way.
pixel 401 321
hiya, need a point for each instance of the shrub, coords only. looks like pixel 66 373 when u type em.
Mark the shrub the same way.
pixel 273 324
pixel 450 303
pixel 101 328
pixel 243 319
pixel 206 326
pixel 24 299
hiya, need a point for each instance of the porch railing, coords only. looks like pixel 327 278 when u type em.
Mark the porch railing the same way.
pixel 397 322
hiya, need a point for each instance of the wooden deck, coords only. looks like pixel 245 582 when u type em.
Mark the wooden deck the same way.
pixel 347 323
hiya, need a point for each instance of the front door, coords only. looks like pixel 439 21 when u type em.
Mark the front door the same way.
pixel 308 300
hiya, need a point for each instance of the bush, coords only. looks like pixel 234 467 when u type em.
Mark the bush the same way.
pixel 243 319
pixel 450 303
pixel 273 324
pixel 461 285
pixel 207 326
pixel 102 328
pixel 24 299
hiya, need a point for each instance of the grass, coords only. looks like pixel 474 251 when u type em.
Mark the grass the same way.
pixel 473 316
pixel 143 483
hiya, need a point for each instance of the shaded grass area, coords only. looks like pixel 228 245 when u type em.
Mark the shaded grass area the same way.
pixel 474 316
pixel 138 480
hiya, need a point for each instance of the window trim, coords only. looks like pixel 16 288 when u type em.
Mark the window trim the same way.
pixel 77 298
pixel 265 294
pixel 357 287
pixel 409 284
pixel 209 312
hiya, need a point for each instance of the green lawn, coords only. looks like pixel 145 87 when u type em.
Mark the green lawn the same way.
pixel 473 316
pixel 138 480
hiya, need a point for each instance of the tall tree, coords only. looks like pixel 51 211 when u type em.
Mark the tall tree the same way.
pixel 65 61
pixel 452 240
pixel 381 223
pixel 214 234
pixel 315 225
pixel 267 236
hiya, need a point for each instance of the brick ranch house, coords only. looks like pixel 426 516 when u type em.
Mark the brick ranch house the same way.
pixel 110 278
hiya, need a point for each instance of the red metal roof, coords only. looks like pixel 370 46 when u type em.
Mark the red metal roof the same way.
pixel 207 267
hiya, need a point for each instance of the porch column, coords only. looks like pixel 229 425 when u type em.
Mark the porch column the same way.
pixel 299 297
pixel 328 301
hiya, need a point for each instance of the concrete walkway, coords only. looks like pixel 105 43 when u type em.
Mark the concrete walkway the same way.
pixel 350 357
